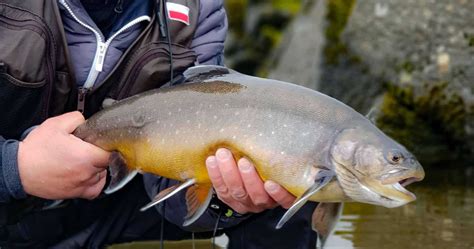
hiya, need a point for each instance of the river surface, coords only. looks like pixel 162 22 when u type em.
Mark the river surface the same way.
pixel 441 217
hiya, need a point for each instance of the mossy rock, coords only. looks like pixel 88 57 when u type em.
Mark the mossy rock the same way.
pixel 415 58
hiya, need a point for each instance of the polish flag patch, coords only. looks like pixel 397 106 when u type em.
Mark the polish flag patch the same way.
pixel 178 12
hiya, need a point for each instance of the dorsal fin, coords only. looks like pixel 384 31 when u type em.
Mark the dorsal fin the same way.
pixel 205 72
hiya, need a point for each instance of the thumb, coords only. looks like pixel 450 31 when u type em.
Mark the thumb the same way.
pixel 68 122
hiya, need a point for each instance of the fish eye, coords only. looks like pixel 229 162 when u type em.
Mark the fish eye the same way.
pixel 395 157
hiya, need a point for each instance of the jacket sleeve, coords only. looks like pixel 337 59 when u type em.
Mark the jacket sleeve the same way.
pixel 10 184
pixel 210 34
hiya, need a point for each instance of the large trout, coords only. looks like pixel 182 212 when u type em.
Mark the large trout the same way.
pixel 316 147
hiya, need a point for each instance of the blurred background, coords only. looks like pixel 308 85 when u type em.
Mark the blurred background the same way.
pixel 410 64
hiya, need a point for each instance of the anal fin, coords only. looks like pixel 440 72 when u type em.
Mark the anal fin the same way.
pixel 198 198
pixel 167 193
pixel 300 201
pixel 119 172
pixel 325 218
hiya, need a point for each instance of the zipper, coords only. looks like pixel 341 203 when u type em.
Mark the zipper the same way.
pixel 81 98
pixel 102 47
pixel 41 29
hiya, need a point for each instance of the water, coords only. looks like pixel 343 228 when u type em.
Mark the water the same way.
pixel 441 217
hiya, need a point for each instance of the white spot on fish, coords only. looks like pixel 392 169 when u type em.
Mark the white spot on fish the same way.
pixel 270 115
pixel 221 130
pixel 149 118
pixel 141 132
pixel 157 121
pixel 210 105
pixel 260 134
pixel 283 153
pixel 215 117
pixel 169 113
pixel 197 112
pixel 188 121
pixel 249 125
pixel 176 132
pixel 226 104
pixel 199 125
pixel 234 137
pixel 179 109
pixel 273 132
pixel 236 113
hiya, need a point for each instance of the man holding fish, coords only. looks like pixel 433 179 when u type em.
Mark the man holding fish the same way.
pixel 72 55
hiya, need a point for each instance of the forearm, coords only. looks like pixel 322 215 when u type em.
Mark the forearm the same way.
pixel 176 209
pixel 10 183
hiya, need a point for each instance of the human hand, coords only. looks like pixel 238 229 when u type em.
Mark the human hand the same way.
pixel 240 187
pixel 54 164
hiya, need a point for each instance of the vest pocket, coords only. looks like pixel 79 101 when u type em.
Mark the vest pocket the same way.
pixel 27 57
pixel 20 105
pixel 149 67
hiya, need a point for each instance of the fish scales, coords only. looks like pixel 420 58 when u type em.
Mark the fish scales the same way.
pixel 284 129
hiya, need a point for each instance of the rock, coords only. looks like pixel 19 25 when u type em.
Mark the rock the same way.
pixel 411 62
pixel 255 29
pixel 298 58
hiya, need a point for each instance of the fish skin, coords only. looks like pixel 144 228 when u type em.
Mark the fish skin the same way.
pixel 286 130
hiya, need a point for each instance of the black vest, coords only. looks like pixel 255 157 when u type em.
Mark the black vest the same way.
pixel 36 77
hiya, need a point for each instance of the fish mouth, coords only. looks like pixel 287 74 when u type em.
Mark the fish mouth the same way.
pixel 395 190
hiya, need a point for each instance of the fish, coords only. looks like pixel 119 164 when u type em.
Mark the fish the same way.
pixel 316 147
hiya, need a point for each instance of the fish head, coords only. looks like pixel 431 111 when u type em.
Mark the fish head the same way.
pixel 373 168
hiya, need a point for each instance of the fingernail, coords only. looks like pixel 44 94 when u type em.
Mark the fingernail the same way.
pixel 244 165
pixel 222 154
pixel 270 186
pixel 211 162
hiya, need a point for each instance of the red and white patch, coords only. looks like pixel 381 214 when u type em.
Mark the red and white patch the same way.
pixel 178 12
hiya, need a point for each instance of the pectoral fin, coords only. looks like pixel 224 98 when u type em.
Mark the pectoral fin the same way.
pixel 197 201
pixel 167 193
pixel 119 172
pixel 325 218
pixel 300 201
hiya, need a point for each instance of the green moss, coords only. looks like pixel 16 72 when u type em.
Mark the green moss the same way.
pixel 469 39
pixel 338 13
pixel 292 6
pixel 407 66
pixel 430 124
pixel 236 10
